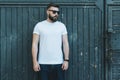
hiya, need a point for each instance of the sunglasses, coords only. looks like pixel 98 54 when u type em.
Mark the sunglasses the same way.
pixel 54 11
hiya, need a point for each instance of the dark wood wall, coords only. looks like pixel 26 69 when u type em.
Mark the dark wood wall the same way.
pixel 85 24
pixel 113 40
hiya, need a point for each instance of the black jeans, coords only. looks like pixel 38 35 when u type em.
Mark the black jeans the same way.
pixel 51 72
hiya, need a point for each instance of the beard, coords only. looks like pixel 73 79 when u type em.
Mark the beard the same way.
pixel 53 18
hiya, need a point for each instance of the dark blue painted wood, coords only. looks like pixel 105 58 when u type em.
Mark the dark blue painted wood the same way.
pixel 84 23
pixel 0 43
pixel 113 52
pixel 75 43
pixel 3 42
pixel 86 44
pixel 14 43
pixel 80 44
pixel 92 47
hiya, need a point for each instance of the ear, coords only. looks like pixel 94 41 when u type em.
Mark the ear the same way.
pixel 47 12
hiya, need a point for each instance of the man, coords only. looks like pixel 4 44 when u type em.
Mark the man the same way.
pixel 50 34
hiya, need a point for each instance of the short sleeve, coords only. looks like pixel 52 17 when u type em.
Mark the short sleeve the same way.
pixel 64 30
pixel 36 29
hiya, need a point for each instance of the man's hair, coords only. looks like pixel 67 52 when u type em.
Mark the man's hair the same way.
pixel 52 5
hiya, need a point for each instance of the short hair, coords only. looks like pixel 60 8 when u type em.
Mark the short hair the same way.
pixel 52 5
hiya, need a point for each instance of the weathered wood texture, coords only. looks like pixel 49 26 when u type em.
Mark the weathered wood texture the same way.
pixel 113 41
pixel 86 37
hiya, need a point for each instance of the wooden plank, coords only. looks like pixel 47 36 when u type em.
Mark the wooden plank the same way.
pixel 86 44
pixel 19 43
pixel 80 43
pixel 75 43
pixel 0 44
pixel 99 46
pixel 102 46
pixel 24 43
pixel 14 43
pixel 96 45
pixel 3 44
pixel 9 39
pixel 92 39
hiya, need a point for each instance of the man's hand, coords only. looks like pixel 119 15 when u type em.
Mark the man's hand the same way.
pixel 65 65
pixel 36 67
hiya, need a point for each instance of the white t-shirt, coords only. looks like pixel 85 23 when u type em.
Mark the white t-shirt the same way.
pixel 50 47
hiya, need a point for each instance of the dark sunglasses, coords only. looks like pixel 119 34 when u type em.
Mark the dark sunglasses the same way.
pixel 54 11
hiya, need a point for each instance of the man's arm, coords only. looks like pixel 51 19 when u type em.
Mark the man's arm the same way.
pixel 66 51
pixel 35 41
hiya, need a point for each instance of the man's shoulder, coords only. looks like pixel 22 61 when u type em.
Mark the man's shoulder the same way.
pixel 61 23
pixel 41 22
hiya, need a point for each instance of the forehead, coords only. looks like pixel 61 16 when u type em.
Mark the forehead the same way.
pixel 54 8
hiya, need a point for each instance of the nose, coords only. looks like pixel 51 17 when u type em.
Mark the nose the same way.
pixel 56 13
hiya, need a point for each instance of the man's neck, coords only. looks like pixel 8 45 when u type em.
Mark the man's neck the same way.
pixel 50 20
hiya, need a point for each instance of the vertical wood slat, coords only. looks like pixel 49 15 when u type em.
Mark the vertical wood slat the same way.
pixel 92 39
pixel 14 43
pixel 9 39
pixel 19 43
pixel 3 42
pixel 0 43
pixel 75 41
pixel 102 45
pixel 24 45
pixel 86 43
pixel 99 46
pixel 80 46
pixel 96 44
